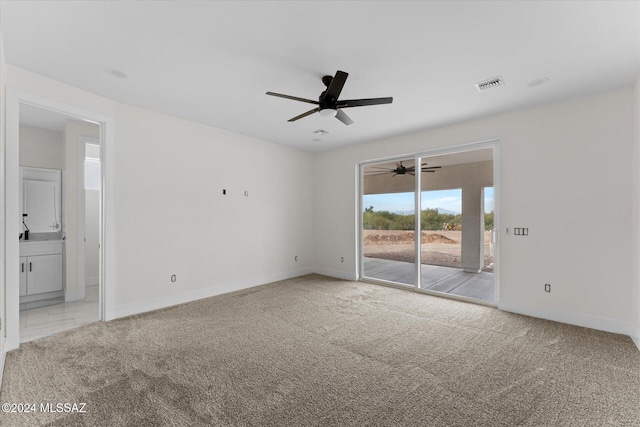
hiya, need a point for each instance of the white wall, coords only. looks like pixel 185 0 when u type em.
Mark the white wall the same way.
pixel 565 174
pixel 635 229
pixel 41 148
pixel 3 317
pixel 171 216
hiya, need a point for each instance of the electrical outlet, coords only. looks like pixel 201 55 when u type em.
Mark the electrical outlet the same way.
pixel 224 192
pixel 341 259
pixel 173 278
pixel 547 287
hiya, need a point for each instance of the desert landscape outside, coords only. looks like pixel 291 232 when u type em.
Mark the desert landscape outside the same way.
pixel 438 247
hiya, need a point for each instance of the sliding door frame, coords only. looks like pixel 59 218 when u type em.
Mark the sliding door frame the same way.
pixel 418 157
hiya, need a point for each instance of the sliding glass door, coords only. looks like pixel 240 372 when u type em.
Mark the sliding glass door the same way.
pixel 441 241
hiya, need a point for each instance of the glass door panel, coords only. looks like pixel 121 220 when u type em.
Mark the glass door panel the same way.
pixel 388 221
pixel 489 230
pixel 456 235
pixel 441 244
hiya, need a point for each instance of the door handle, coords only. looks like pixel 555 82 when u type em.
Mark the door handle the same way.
pixel 30 267
pixel 22 268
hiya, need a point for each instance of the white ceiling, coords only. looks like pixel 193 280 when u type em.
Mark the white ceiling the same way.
pixel 212 62
pixel 41 118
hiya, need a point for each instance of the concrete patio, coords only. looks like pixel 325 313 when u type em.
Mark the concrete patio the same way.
pixel 434 278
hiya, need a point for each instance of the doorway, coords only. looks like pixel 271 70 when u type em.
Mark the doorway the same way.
pixel 78 122
pixel 449 202
pixel 59 283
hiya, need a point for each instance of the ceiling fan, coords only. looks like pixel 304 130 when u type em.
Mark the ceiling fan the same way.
pixel 400 169
pixel 328 104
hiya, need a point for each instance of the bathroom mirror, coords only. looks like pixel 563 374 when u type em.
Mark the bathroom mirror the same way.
pixel 41 200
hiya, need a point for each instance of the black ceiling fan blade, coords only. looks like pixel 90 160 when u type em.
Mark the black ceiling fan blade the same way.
pixel 362 102
pixel 335 87
pixel 431 167
pixel 427 171
pixel 295 98
pixel 308 113
pixel 342 116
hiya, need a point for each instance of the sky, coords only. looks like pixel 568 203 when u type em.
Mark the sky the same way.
pixel 403 202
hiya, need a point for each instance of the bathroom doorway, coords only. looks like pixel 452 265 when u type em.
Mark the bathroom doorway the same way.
pixel 59 263
pixel 12 224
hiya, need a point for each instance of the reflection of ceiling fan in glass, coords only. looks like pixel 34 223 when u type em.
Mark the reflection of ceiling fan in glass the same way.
pixel 400 169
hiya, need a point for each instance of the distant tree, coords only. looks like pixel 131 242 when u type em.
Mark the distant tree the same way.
pixel 430 219
pixel 488 221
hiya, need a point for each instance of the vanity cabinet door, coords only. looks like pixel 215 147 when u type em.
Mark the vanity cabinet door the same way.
pixel 23 276
pixel 44 273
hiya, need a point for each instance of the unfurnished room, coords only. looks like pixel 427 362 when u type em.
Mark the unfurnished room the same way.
pixel 297 213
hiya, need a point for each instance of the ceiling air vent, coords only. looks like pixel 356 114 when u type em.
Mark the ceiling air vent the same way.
pixel 490 83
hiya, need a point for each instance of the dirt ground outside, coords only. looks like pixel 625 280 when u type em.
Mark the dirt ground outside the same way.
pixel 439 247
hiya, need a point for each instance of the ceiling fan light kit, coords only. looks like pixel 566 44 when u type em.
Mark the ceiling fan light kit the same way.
pixel 328 104
pixel 328 112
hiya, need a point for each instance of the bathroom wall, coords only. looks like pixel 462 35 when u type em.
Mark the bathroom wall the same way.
pixel 41 148
pixel 92 223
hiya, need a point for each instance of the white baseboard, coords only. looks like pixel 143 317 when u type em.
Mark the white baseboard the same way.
pixel 171 300
pixel 606 324
pixel 337 274
pixel 74 296
pixel 635 336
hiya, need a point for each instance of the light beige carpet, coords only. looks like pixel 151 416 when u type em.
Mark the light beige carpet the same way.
pixel 319 351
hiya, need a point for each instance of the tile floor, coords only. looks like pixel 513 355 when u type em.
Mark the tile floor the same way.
pixel 43 321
